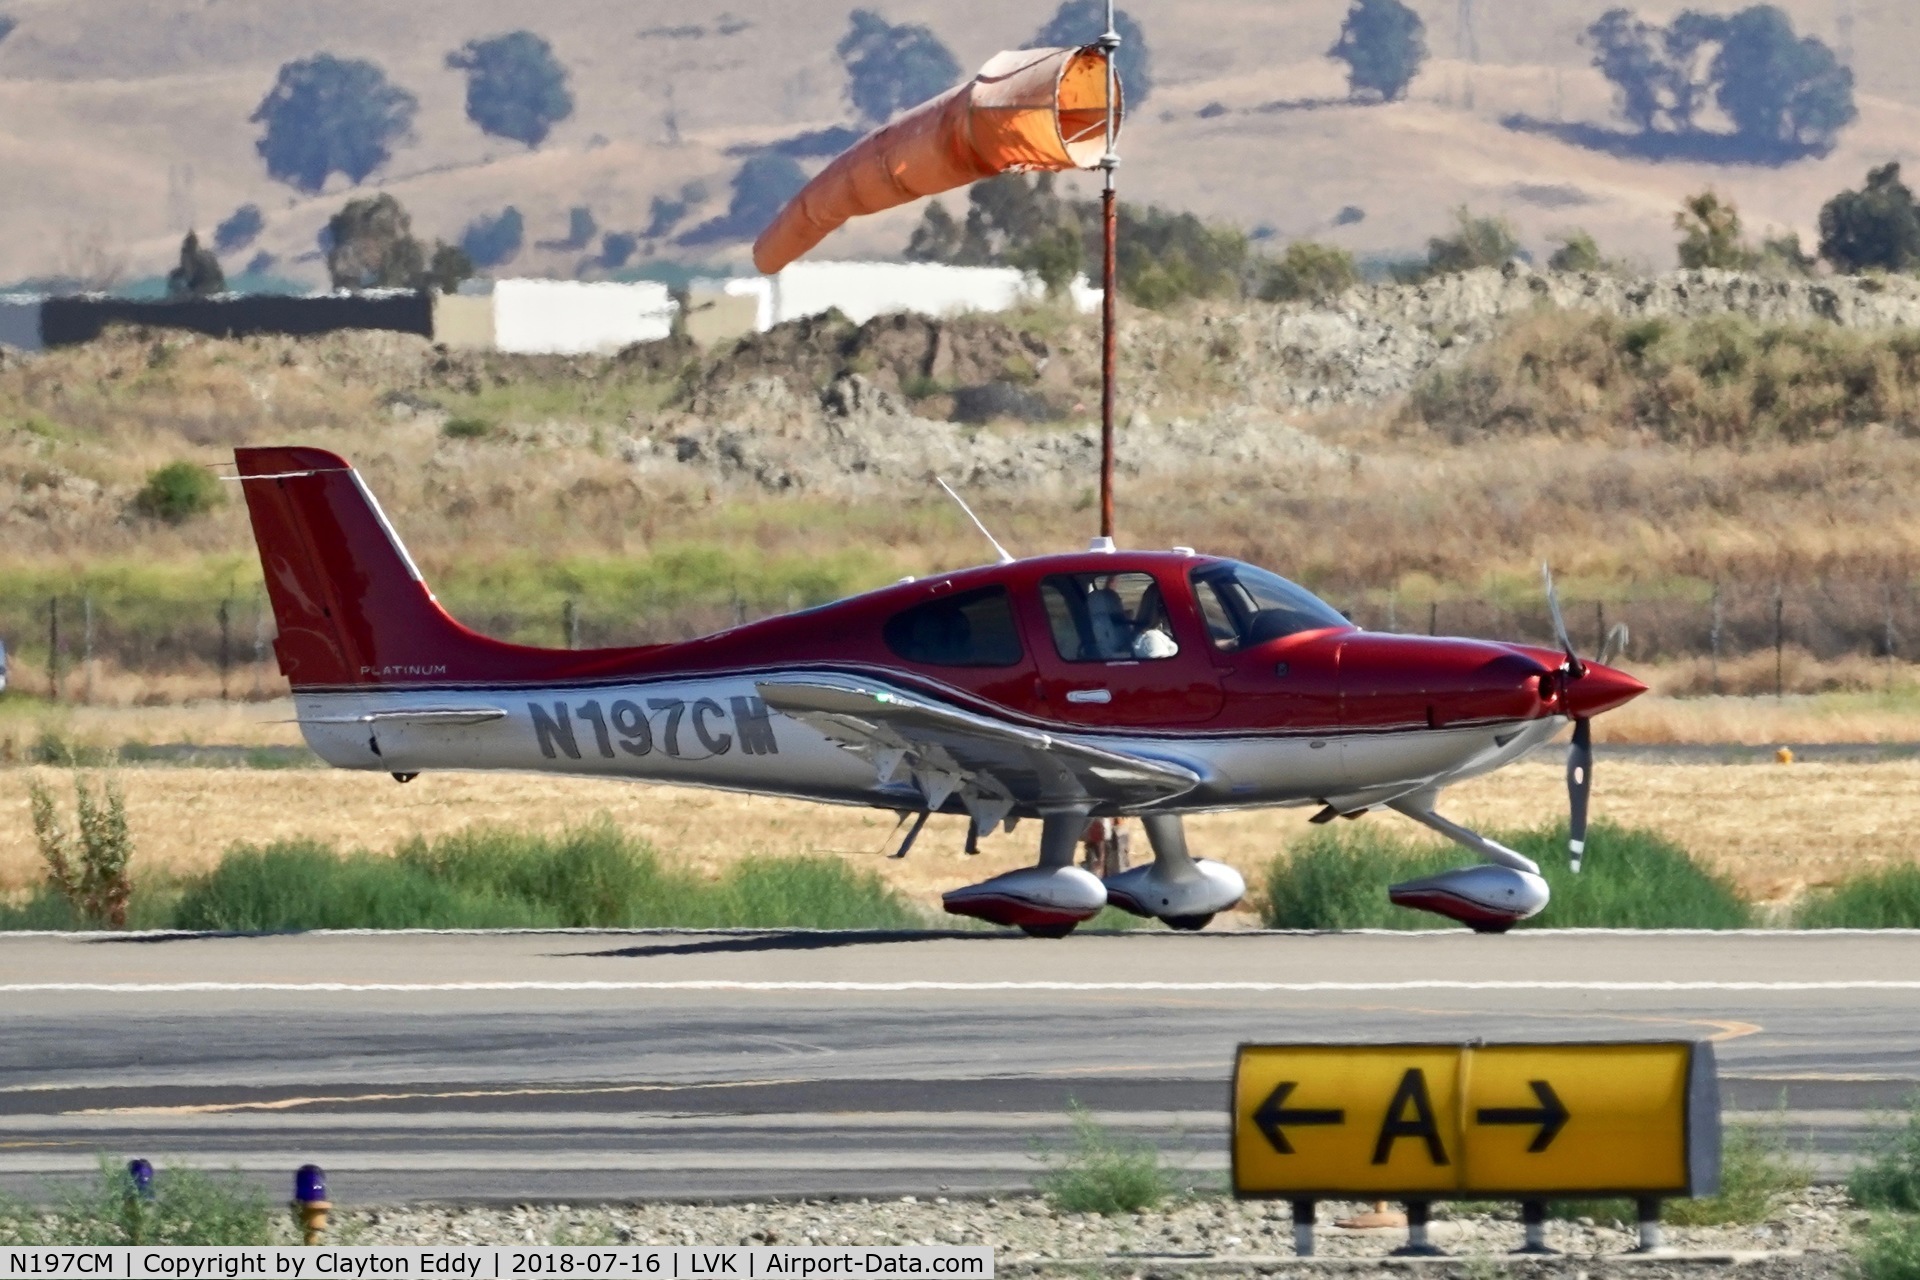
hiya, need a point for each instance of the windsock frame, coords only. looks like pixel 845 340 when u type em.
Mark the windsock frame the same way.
pixel 1027 110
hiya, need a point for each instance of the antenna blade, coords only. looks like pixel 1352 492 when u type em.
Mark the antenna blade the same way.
pixel 997 548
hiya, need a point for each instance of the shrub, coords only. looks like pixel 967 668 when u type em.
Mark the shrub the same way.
pixel 1889 1249
pixel 1756 1169
pixel 1307 271
pixel 1888 898
pixel 1877 227
pixel 1633 879
pixel 1577 252
pixel 87 865
pixel 1476 242
pixel 1888 1175
pixel 1710 234
pixel 1103 1174
pixel 467 429
pixel 178 492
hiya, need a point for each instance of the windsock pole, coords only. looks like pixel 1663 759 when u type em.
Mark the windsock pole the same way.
pixel 1109 43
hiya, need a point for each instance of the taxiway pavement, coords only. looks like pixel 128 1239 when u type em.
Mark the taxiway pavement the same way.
pixel 585 1065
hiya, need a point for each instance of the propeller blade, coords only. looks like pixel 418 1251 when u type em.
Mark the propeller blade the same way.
pixel 1616 644
pixel 1574 666
pixel 1579 787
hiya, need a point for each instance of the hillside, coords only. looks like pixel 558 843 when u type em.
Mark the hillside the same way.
pixel 120 125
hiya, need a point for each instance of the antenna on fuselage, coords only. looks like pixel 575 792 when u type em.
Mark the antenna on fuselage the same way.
pixel 999 550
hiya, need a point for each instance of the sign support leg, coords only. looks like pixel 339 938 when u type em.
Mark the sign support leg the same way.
pixel 1303 1227
pixel 1418 1244
pixel 1649 1224
pixel 1534 1214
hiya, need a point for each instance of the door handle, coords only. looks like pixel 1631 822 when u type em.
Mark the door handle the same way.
pixel 1090 695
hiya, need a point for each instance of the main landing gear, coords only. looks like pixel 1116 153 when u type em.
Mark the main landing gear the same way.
pixel 1051 899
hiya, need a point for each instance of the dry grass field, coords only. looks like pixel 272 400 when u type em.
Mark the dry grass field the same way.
pixel 1775 829
pixel 127 124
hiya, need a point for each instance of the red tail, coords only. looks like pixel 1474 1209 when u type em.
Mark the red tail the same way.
pixel 351 605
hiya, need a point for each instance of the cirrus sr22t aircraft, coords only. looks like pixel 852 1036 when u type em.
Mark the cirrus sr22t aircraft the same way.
pixel 1063 688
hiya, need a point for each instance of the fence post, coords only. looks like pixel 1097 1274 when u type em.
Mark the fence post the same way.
pixel 570 623
pixel 1890 638
pixel 1779 641
pixel 1599 625
pixel 86 649
pixel 226 647
pixel 1713 638
pixel 1393 612
pixel 1433 617
pixel 53 646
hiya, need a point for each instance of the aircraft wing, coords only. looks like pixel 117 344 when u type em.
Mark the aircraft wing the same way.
pixel 940 751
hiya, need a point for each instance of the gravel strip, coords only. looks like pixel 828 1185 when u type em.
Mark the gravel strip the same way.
pixel 1806 1234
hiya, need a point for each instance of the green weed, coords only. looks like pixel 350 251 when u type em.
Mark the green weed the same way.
pixel 87 865
pixel 178 492
pixel 467 429
pixel 187 1207
pixel 1100 1173
pixel 1888 898
pixel 590 877
pixel 1337 879
pixel 1889 1249
pixel 1888 1176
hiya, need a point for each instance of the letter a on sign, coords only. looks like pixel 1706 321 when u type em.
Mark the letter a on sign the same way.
pixel 1410 1115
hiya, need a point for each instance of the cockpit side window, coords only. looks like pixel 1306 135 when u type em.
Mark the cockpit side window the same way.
pixel 971 629
pixel 1107 617
pixel 1245 606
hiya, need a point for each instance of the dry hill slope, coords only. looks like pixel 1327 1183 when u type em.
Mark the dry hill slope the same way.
pixel 123 124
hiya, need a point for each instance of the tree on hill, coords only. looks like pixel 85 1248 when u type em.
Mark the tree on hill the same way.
pixel 1780 90
pixel 495 241
pixel 1079 22
pixel 370 245
pixel 1383 43
pixel 1786 95
pixel 8 25
pixel 516 88
pixel 891 67
pixel 239 229
pixel 1710 234
pixel 1875 228
pixel 762 186
pixel 198 275
pixel 326 115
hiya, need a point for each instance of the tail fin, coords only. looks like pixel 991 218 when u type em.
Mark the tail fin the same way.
pixel 351 605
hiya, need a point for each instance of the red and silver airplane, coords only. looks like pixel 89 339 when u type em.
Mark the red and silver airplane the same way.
pixel 1063 688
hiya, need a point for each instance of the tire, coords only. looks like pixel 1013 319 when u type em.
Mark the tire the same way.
pixel 1491 928
pixel 1049 930
pixel 1189 924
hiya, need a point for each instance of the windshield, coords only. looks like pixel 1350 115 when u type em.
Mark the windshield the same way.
pixel 1245 606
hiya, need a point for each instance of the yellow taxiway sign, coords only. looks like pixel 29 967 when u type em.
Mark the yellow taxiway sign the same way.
pixel 1438 1120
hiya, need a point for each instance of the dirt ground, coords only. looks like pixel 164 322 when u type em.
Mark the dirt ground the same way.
pixel 1776 829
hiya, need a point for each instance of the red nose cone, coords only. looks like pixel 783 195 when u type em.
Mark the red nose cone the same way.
pixel 1601 689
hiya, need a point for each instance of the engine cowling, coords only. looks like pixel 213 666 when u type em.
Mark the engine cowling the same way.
pixel 1031 898
pixel 1485 898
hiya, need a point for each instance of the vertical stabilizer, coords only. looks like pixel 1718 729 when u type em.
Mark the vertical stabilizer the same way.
pixel 351 605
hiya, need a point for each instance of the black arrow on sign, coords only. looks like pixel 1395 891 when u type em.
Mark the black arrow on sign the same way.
pixel 1551 1116
pixel 1273 1116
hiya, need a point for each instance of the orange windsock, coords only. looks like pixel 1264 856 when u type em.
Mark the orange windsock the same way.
pixel 1027 109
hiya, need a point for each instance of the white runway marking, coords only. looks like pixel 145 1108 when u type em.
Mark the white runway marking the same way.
pixel 1438 984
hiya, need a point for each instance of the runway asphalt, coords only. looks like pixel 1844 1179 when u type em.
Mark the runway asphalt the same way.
pixel 575 1066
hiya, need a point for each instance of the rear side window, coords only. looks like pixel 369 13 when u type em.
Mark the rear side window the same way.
pixel 972 629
